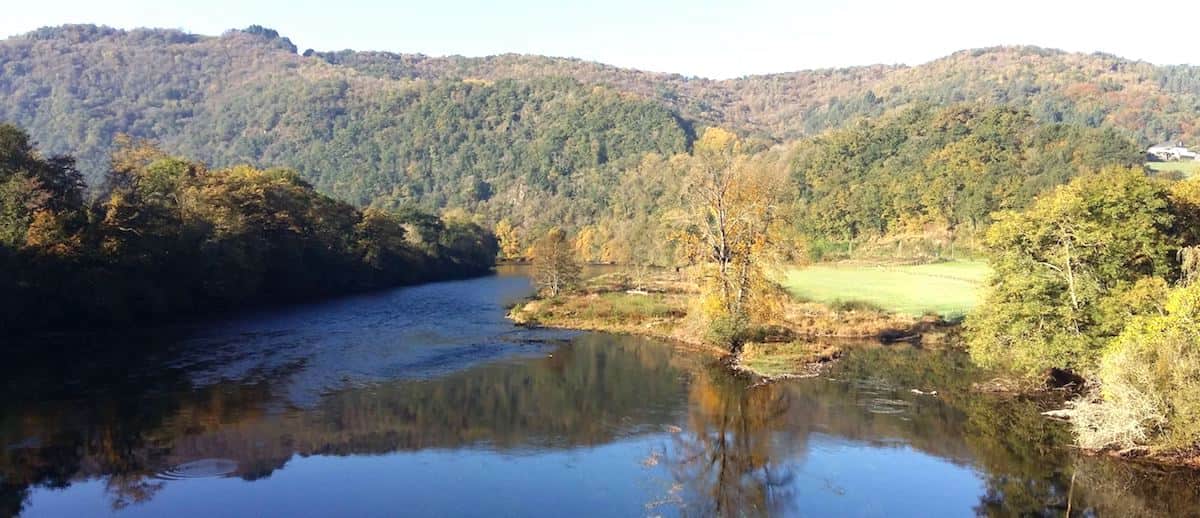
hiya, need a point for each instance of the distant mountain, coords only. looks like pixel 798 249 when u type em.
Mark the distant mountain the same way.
pixel 545 137
pixel 1151 102
pixel 248 97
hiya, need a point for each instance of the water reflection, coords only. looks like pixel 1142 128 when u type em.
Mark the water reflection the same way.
pixel 594 391
pixel 727 461
pixel 863 442
pixel 539 424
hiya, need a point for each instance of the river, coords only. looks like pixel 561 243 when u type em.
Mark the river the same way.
pixel 425 401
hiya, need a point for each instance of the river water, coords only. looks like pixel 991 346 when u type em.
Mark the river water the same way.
pixel 425 401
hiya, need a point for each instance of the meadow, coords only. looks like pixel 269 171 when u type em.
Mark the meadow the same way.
pixel 1187 168
pixel 949 289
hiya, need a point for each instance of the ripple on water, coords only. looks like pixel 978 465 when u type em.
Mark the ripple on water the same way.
pixel 203 468
pixel 887 406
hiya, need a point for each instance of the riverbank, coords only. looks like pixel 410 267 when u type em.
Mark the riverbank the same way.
pixel 661 305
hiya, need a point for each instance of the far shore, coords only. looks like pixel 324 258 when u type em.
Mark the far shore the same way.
pixel 798 344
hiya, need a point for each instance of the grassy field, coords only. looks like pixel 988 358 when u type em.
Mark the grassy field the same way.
pixel 949 289
pixel 1187 168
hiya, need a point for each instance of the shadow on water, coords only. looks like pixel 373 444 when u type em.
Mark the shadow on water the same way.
pixel 427 380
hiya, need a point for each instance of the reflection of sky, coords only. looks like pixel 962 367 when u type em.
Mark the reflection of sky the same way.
pixel 833 478
pixel 844 478
pixel 305 351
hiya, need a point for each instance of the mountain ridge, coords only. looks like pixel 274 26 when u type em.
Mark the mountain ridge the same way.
pixel 794 104
pixel 510 134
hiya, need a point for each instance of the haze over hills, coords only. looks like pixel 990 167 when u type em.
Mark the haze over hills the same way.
pixel 509 134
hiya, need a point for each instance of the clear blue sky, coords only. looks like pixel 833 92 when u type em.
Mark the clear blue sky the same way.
pixel 696 37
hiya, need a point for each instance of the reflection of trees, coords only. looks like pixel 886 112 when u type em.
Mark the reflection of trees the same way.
pixel 725 459
pixel 743 447
pixel 739 454
pixel 1023 457
pixel 130 488
pixel 60 420
pixel 590 392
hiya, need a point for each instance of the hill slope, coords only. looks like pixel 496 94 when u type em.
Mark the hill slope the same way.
pixel 526 136
pixel 1154 103
pixel 247 97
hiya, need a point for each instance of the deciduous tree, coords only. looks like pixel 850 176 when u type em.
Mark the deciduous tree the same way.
pixel 555 269
pixel 1060 265
pixel 730 226
pixel 509 239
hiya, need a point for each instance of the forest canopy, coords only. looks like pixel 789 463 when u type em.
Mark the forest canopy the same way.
pixel 546 142
pixel 168 236
pixel 927 168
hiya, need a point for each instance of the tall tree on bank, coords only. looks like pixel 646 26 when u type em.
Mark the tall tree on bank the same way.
pixel 508 239
pixel 555 269
pixel 731 224
pixel 1072 270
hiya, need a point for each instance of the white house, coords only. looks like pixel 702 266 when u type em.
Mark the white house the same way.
pixel 1169 152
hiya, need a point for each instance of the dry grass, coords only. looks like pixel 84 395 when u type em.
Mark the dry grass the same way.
pixel 616 303
pixel 813 319
pixel 661 305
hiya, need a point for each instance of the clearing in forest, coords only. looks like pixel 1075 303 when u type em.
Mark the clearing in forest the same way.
pixel 949 289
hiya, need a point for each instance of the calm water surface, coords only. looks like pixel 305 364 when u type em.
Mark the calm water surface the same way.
pixel 424 401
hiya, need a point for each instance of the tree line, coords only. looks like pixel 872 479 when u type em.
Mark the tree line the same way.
pixel 167 236
pixel 1097 277
pixel 1152 103
pixel 548 142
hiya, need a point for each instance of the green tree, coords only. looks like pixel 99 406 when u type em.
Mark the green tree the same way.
pixel 1060 267
pixel 41 199
pixel 167 236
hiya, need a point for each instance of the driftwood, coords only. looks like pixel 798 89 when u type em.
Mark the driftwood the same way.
pixel 1062 414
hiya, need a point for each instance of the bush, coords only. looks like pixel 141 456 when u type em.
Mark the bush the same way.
pixel 840 305
pixel 727 331
pixel 1150 382
pixel 1127 418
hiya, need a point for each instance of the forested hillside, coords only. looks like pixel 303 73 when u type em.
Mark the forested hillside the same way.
pixel 926 169
pixel 246 97
pixel 541 140
pixel 1152 103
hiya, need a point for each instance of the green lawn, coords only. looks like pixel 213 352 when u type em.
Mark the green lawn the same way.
pixel 949 289
pixel 1187 168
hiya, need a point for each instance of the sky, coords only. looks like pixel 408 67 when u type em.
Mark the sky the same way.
pixel 691 37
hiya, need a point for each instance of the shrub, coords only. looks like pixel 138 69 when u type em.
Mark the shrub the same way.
pixel 727 331
pixel 1150 381
pixel 855 305
pixel 1126 418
